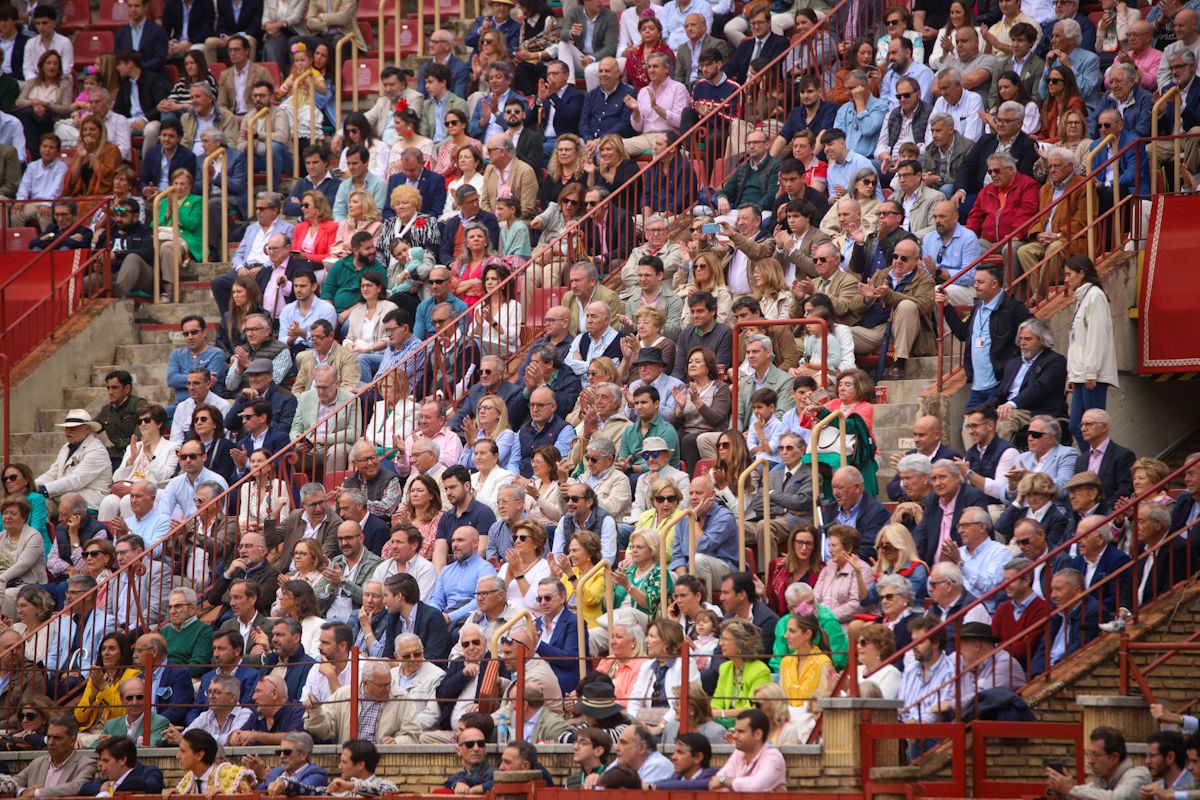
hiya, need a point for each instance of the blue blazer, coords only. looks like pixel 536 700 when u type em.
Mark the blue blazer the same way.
pixel 249 21
pixel 1110 598
pixel 236 181
pixel 201 22
pixel 477 127
pixel 151 172
pixel 297 672
pixel 248 677
pixel 18 58
pixel 309 775
pixel 1082 626
pixel 1137 116
pixel 872 515
pixel 273 440
pixel 431 186
pixel 567 111
pixel 1116 470
pixel 450 233
pixel 739 63
pixel 174 695
pixel 142 779
pixel 926 534
pixel 283 411
pixel 1184 503
pixel 376 534
pixel 562 650
pixel 460 76
pixel 1133 164
pixel 1191 111
pixel 429 625
pixel 152 46
pixel 1055 523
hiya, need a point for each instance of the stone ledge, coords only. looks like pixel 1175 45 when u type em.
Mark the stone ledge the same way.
pixel 1110 701
pixel 855 703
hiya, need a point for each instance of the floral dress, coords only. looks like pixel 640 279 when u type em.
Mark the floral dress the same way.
pixel 648 583
pixel 635 65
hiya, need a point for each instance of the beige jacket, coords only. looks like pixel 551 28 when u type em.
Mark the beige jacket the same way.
pixel 325 14
pixel 398 720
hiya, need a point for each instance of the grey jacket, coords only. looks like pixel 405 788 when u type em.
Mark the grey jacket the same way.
pixel 604 32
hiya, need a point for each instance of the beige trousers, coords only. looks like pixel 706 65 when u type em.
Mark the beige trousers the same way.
pixel 906 324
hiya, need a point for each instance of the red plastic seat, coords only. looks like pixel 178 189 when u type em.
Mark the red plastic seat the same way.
pixel 540 302
pixel 76 16
pixel 367 29
pixel 447 8
pixel 216 70
pixel 335 478
pixel 272 68
pixel 89 45
pixel 172 73
pixel 702 467
pixel 112 14
pixel 363 82
pixel 18 239
pixel 368 10
pixel 408 37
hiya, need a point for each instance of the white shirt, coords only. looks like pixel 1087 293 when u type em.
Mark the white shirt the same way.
pixel 35 47
pixel 418 566
pixel 316 685
pixel 183 414
pixel 965 114
pixel 258 248
pixel 41 181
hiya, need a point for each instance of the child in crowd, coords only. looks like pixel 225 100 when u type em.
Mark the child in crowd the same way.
pixel 705 645
pixel 797 420
pixel 763 436
pixel 514 233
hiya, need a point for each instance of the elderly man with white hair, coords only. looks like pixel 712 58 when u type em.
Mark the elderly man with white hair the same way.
pixel 936 536
pixel 914 474
pixel 716 548
pixel 1101 455
pixel 980 557
pixel 1098 559
pixel 801 600
pixel 949 597
pixel 1066 50
pixel 385 714
pixel 1130 100
pixel 1031 382
pixel 961 105
pixel 418 677
pixel 1055 231
pixel 599 338
pixel 1045 454
pixel 508 176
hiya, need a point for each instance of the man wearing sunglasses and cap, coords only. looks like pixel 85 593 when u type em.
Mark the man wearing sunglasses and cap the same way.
pixel 129 238
pixel 82 465
pixel 656 455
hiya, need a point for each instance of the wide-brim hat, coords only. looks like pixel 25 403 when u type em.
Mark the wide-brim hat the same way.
pixel 652 443
pixel 599 702
pixel 1083 479
pixel 77 417
pixel 979 631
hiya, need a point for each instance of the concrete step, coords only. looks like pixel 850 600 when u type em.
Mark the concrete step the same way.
pixel 173 313
pixel 42 444
pixel 906 391
pixel 895 415
pixel 48 417
pixel 144 353
pixel 92 398
pixel 924 368
pixel 166 333
pixel 888 439
pixel 145 373
pixel 206 270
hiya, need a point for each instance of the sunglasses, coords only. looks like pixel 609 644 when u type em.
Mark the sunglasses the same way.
pixel 666 498
pixel 1054 80
pixel 724 445
pixel 131 697
pixel 992 171
pixel 11 478
pixel 575 498
pixel 887 596
pixel 902 259
pixel 144 420
pixel 1036 434
pixel 306 205
pixel 284 753
pixel 521 537
pixel 471 642
pixel 544 598
pixel 904 95
pixel 437 281
pixel 190 456
pixel 454 122
pixel 91 553
pixel 470 743
pixel 592 459
pixel 570 202
pixel 30 716
pixel 1021 542
pixel 649 454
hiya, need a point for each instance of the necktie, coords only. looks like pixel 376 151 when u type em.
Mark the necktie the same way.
pixel 787 478
pixel 758 46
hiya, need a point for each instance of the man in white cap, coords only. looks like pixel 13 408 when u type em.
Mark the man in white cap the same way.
pixel 82 465
pixel 656 454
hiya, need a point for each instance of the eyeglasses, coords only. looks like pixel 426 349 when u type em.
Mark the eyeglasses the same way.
pixel 454 122
pixel 91 553
pixel 545 598
pixel 887 596
pixel 437 281
pixel 823 259
pixel 1106 125
pixel 724 445
pixel 592 459
pixel 756 703
pixel 591 203
pixel 805 543
pixel 30 716
pixel 262 208
pixel 904 95
pixel 470 743
pixel 868 181
pixel 666 498
pixel 894 21
pixel 144 420
pixel 471 642
pixel 649 454
pixel 485 592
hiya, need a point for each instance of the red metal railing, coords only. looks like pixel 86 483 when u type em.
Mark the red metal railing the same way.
pixel 1110 584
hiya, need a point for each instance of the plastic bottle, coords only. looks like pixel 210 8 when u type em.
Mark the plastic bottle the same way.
pixel 502 732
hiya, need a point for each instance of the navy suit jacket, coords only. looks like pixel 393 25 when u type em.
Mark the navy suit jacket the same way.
pixel 429 625
pixel 235 181
pixel 1041 390
pixel 89 529
pixel 1054 522
pixel 151 172
pixel 248 676
pixel 18 55
pixel 1116 470
pixel 202 20
pixel 1110 597
pixel 1137 116
pixel 562 650
pixel 1184 503
pixel 506 391
pixel 1170 567
pixel 739 63
pixel 928 529
pixel 567 111
pixel 142 779
pixel 431 186
pixel 1133 164
pixel 566 387
pixel 152 90
pixel 273 440
pixel 152 47
pixel 450 233
pixel 297 672
pixel 895 491
pixel 1082 626
pixel 1191 111
pixel 249 21
pixel 174 695
pixel 283 411
pixel 376 533
pixel 872 515
pixel 309 775
pixel 460 76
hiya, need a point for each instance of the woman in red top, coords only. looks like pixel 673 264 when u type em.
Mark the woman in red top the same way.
pixel 467 270
pixel 1062 95
pixel 855 391
pixel 652 42
pixel 800 564
pixel 316 231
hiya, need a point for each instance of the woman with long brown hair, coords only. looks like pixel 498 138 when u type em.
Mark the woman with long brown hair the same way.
pixel 91 169
pixel 423 509
pixel 245 298
pixel 801 563
pixel 702 406
pixel 45 98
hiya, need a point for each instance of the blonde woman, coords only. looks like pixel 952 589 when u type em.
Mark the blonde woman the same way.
pixel 772 700
pixel 361 215
pixel 771 290
pixel 707 276
pixel 638 583
pixel 308 565
pixel 663 513
pixel 395 415
pixel 865 182
pixel 566 166
pixel 491 422
pixel 897 556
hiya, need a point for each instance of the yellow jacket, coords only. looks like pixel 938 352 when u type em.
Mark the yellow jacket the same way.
pixel 98 707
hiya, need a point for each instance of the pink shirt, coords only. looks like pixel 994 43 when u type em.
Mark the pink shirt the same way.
pixel 1096 455
pixel 672 97
pixel 944 533
pixel 766 773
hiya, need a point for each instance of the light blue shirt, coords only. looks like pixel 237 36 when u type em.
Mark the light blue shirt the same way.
pixel 672 16
pixel 1086 66
pixel 952 256
pixel 773 429
pixel 1059 189
pixel 135 33
pixel 164 172
pixel 718 538
pixel 1058 647
pixel 509 458
pixel 843 174
pixel 320 309
pixel 862 127
pixel 981 345
pixel 1020 378
pixel 439 118
pixel 920 73
pixel 178 500
pixel 983 570
pixel 455 590
pixel 589 30
pixel 153 528
pixel 372 184
pixel 41 181
pixel 922 695
pixel 392 357
pixel 135 102
pixel 1019 608
pixel 183 30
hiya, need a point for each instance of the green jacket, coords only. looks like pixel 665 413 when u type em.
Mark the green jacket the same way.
pixel 754 675
pixel 342 281
pixel 119 726
pixel 838 644
pixel 191 222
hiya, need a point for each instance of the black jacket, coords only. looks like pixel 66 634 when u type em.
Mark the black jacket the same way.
pixel 927 532
pixel 974 166
pixel 454 682
pixel 136 240
pixel 202 19
pixel 152 47
pixel 450 233
pixel 1041 391
pixel 1055 523
pixel 1116 470
pixel 429 625
pixel 529 148
pixel 249 21
pixel 739 63
pixel 81 239
pixel 567 110
pixel 152 90
pixel 1002 325
pixel 18 56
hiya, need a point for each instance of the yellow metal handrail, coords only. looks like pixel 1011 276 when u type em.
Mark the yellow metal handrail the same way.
pixel 297 156
pixel 604 567
pixel 1107 141
pixel 337 75
pixel 223 154
pixel 815 452
pixel 269 113
pixel 1171 94
pixel 383 33
pixel 765 465
pixel 157 249
pixel 521 614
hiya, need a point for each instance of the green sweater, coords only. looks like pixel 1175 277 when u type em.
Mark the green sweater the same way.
pixel 192 645
pixel 754 675
pixel 833 629
pixel 191 222
pixel 342 282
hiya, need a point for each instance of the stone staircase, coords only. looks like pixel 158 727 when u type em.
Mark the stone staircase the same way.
pixel 142 350
pixel 894 419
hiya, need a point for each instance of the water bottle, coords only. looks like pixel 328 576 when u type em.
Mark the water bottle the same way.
pixel 502 733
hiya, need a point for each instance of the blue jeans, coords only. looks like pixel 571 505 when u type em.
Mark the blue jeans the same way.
pixel 977 398
pixel 1082 399
pixel 369 364
pixel 281 161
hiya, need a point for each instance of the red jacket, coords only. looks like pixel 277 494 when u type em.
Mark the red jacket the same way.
pixel 1021 204
pixel 1005 627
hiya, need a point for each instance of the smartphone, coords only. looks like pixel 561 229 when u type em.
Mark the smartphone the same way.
pixel 710 228
pixel 1057 764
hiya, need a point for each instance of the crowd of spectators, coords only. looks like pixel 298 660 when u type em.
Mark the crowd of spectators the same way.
pixel 470 488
